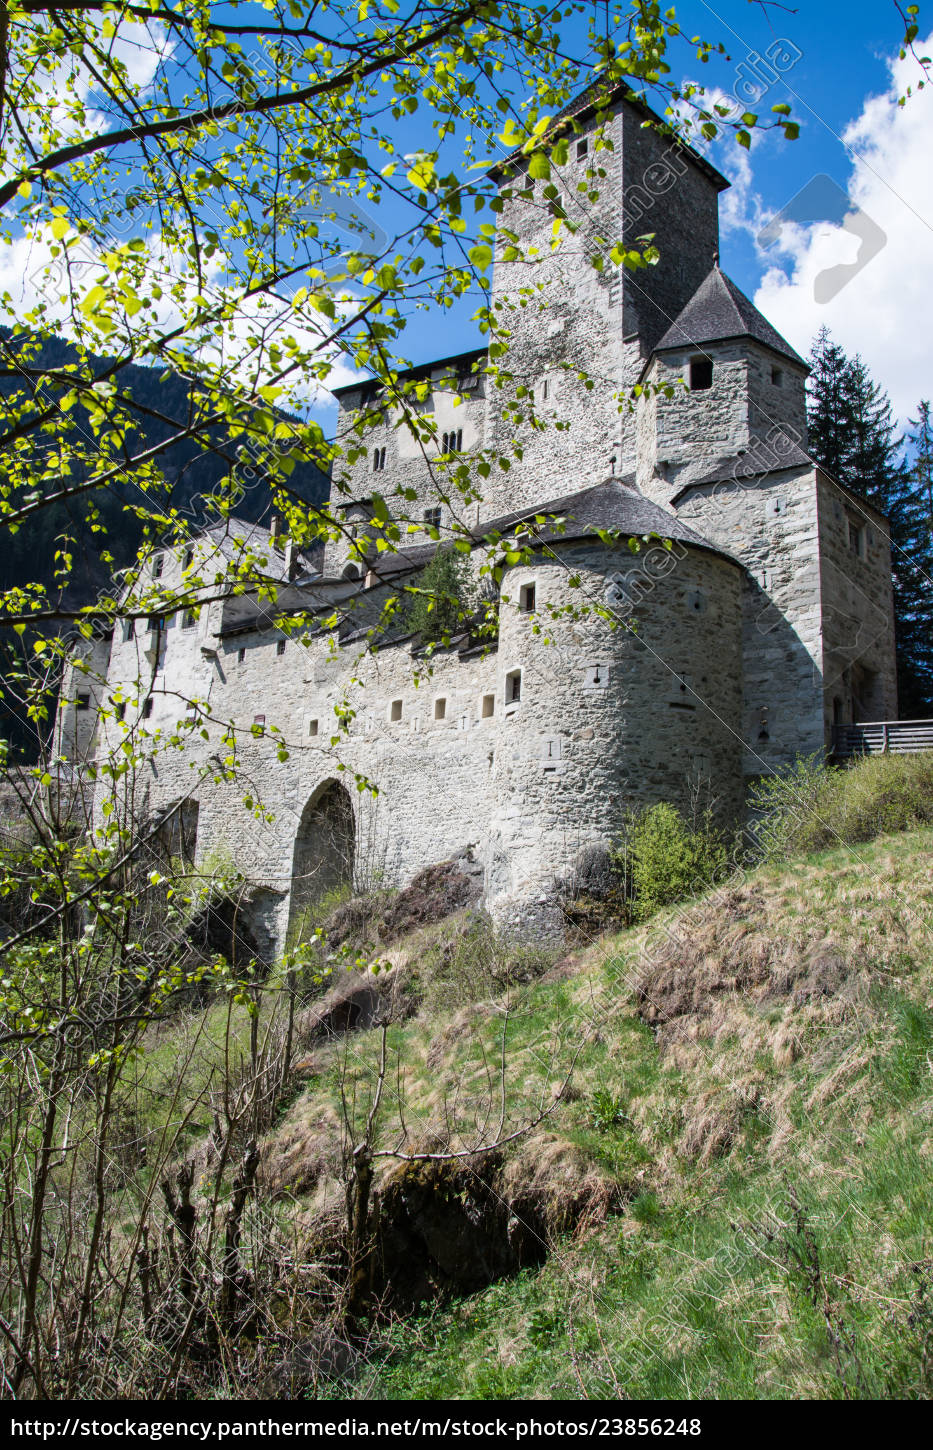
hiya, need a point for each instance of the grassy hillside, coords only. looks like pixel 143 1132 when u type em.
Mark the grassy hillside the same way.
pixel 755 1083
pixel 706 1144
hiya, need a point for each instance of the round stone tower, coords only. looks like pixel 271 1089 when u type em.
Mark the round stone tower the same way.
pixel 596 717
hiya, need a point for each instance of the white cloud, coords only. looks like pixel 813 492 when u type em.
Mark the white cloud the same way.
pixel 884 310
pixel 34 280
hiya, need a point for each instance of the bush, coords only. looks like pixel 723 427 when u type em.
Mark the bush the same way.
pixel 479 963
pixel 809 807
pixel 666 859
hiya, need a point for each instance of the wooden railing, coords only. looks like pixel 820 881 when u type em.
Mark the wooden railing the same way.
pixel 878 737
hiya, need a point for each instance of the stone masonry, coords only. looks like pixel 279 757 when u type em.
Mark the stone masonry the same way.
pixel 755 614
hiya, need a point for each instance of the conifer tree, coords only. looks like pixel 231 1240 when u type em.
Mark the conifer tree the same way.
pixel 853 436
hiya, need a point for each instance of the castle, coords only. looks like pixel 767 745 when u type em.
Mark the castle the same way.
pixel 756 613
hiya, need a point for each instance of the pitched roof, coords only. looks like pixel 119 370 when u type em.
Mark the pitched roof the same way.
pixel 612 504
pixel 599 95
pixel 718 310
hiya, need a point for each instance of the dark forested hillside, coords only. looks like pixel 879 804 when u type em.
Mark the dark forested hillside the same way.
pixel 159 402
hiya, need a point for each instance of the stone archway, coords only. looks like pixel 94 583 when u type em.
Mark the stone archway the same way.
pixel 324 847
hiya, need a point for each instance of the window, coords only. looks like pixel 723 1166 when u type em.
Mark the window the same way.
pixel 487 707
pixel 83 701
pixel 526 598
pixel 147 708
pixel 155 623
pixel 777 377
pixel 513 687
pixel 452 442
pixel 188 619
pixel 189 557
pixel 129 629
pixel 701 374
pixel 582 147
pixel 280 646
pixel 395 711
pixel 440 709
pixel 312 728
pixel 119 709
pixel 158 564
pixel 432 518
pixel 240 655
pixel 544 390
pixel 856 539
pixel 259 721
pixel 379 460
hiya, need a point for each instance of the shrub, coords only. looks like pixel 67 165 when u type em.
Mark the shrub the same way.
pixel 667 859
pixel 444 601
pixel 809 807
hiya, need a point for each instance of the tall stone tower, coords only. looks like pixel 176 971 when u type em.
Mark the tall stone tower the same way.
pixel 623 181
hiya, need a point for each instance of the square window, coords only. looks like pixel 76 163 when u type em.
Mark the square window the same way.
pixel 701 374
pixel 395 710
pixel 513 687
pixel 527 595
pixel 440 709
pixel 487 707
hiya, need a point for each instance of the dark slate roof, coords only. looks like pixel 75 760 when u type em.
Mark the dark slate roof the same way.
pixel 597 95
pixel 718 310
pixel 462 361
pixel 611 504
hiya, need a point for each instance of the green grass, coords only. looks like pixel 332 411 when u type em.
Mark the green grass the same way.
pixel 793 1260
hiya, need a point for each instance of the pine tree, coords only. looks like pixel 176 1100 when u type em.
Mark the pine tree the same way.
pixel 829 417
pixel 854 437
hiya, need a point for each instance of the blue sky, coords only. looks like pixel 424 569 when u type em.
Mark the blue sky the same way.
pixel 842 80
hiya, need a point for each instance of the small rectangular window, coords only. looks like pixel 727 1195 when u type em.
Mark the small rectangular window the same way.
pixel 313 727
pixel 83 701
pixel 129 630
pixel 513 687
pixel 701 374
pixel 120 710
pixel 379 460
pixel 241 656
pixel 188 619
pixel 280 646
pixel 155 623
pixel 158 564
pixel 857 539
pixel 440 709
pixel 189 557
pixel 259 720
pixel 487 707
pixel 582 147
pixel 432 518
pixel 777 377
pixel 395 710
pixel 527 596
pixel 147 708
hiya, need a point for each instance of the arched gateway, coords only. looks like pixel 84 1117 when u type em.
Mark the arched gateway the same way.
pixel 324 847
